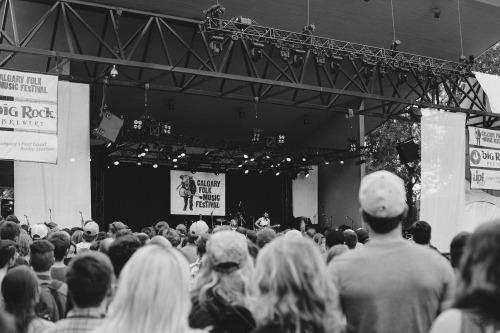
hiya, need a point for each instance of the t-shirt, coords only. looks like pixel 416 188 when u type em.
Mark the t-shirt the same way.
pixel 392 286
pixel 83 246
pixel 59 273
pixel 190 251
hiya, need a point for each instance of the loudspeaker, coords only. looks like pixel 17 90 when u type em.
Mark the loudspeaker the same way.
pixel 109 127
pixel 408 151
pixel 7 207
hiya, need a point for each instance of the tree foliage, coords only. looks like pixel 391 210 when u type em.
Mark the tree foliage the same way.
pixel 489 61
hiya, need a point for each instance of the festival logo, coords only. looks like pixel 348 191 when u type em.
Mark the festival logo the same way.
pixel 478 136
pixel 478 178
pixel 475 157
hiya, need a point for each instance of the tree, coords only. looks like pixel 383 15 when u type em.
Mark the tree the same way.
pixel 489 61
pixel 381 146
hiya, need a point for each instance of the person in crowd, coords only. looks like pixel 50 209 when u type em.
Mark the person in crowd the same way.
pixel 181 228
pixel 242 230
pixel 421 234
pixel 10 231
pixel 253 250
pixel 7 257
pixel 23 247
pixel 344 227
pixel 294 293
pixel 7 324
pixel 334 237
pixel 476 305
pixel 77 236
pixel 115 227
pixel 457 247
pixel 71 253
pixel 150 231
pixel 310 232
pixel 53 293
pixel 372 279
pixel 334 251
pixel 201 250
pixel 89 277
pixel 101 235
pixel 172 236
pixel 123 232
pixel 252 236
pixel 363 235
pixel 95 246
pixel 39 231
pixel 160 227
pixel 121 250
pixel 265 236
pixel 105 244
pixel 222 291
pixel 196 229
pixel 90 231
pixel 320 240
pixel 263 222
pixel 153 294
pixel 233 224
pixel 12 218
pixel 62 243
pixel 293 234
pixel 21 295
pixel 143 238
pixel 351 239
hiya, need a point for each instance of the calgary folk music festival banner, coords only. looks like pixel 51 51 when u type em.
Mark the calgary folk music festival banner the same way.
pixel 29 108
pixel 200 193
pixel 482 160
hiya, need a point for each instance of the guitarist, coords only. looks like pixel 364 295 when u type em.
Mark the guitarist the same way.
pixel 190 190
pixel 263 222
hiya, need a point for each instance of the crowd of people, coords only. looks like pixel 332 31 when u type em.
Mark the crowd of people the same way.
pixel 225 280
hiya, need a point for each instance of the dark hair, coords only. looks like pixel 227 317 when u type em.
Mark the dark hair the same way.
pixel 9 231
pixel 383 225
pixel 457 247
pixel 201 244
pixel 72 231
pixel 242 230
pixel 7 323
pixel 351 239
pixel 12 218
pixel 7 251
pixel 142 237
pixel 121 250
pixel 101 235
pixel 150 231
pixel 95 246
pixel 311 232
pixel 19 290
pixel 172 236
pixel 123 232
pixel 344 227
pixel 334 237
pixel 421 232
pixel 89 278
pixel 252 236
pixel 61 242
pixel 42 255
pixel 363 235
pixel 160 227
pixel 479 282
pixel 253 249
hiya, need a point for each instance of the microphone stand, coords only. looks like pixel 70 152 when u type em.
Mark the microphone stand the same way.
pixel 212 218
pixel 27 221
pixel 83 222
pixel 352 221
pixel 314 217
pixel 50 214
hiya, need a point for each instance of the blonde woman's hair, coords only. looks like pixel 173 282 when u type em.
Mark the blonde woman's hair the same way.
pixel 24 244
pixel 152 294
pixel 293 288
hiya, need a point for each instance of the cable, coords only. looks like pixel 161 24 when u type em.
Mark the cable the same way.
pixel 308 12
pixel 393 24
pixel 460 26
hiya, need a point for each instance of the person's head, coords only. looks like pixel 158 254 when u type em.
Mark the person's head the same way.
pixel 20 294
pixel 233 224
pixel 382 198
pixel 479 276
pixel 201 244
pixel 117 226
pixel 90 231
pixel 172 236
pixel 265 236
pixel 105 244
pixel 181 228
pixel 89 278
pixel 252 236
pixel 10 231
pixel 39 231
pixel 351 239
pixel 293 288
pixel 77 236
pixel 334 251
pixel 363 235
pixel 143 238
pixel 160 227
pixel 61 242
pixel 123 232
pixel 42 255
pixel 334 237
pixel 266 215
pixel 227 269
pixel 12 218
pixel 196 229
pixel 101 235
pixel 421 232
pixel 311 232
pixel 7 253
pixel 153 294
pixel 23 244
pixel 121 250
pixel 150 231
pixel 72 251
pixel 319 239
pixel 344 227
pixel 242 230
pixel 457 247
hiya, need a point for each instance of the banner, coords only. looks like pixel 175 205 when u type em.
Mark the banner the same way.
pixel 484 137
pixel 485 179
pixel 484 158
pixel 27 146
pixel 29 104
pixel 200 193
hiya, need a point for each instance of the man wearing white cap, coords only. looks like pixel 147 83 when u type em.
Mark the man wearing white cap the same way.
pixel 390 284
pixel 90 231
pixel 195 230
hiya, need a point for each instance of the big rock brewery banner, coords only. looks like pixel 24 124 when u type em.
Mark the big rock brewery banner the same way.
pixel 199 193
pixel 484 158
pixel 28 116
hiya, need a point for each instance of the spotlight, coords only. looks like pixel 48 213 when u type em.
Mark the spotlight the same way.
pixel 304 158
pixel 382 69
pixel 256 133
pixel 285 54
pixel 139 162
pixel 155 165
pixel 166 128
pixel 306 119
pixel 395 44
pixel 335 64
pixel 298 58
pixel 256 51
pixel 175 159
pixel 245 156
pixel 114 71
pixel 341 162
pixel 278 173
pixel 281 139
pixel 252 158
pixel 246 170
pixel 320 59
pixel 327 161
pixel 266 155
pixel 402 75
pixel 368 68
pixel 137 124
pixel 288 159
pixel 117 162
pixel 260 170
pixel 176 166
pixel 181 152
pixel 436 10
pixel 306 173
pixel 240 163
pixel 109 144
pixel 216 44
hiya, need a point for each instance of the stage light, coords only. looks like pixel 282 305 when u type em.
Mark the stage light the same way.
pixel 266 155
pixel 139 162
pixel 176 166
pixel 341 162
pixel 214 10
pixel 245 156
pixel 304 158
pixel 309 29
pixel 252 158
pixel 320 59
pixel 394 46
pixel 109 144
pixel 166 128
pixel 278 173
pixel 353 144
pixel 382 69
pixel 403 75
pixel 281 139
pixel 155 165
pixel 306 173
pixel 240 163
pixel 335 63
pixel 260 170
pixel 436 10
pixel 256 51
pixel 285 54
pixel 298 58
pixel 256 133
pixel 114 71
pixel 327 162
pixel 246 170
pixel 175 159
pixel 116 162
pixel 138 124
pixel 288 159
pixel 216 44
pixel 368 68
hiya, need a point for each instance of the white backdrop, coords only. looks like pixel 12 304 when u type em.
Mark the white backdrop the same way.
pixel 305 195
pixel 64 187
pixel 443 175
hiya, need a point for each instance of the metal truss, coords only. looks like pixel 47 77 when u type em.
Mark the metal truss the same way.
pixel 235 59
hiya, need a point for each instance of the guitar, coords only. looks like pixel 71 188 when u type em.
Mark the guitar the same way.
pixel 187 193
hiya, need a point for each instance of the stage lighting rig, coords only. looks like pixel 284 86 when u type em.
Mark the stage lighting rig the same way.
pixel 285 54
pixel 368 68
pixel 394 46
pixel 436 10
pixel 403 75
pixel 298 57
pixel 353 145
pixel 214 11
pixel 309 29
pixel 256 51
pixel 165 128
pixel 281 139
pixel 216 44
pixel 114 71
pixel 336 63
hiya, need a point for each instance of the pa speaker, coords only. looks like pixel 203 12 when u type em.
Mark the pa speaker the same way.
pixel 109 127
pixel 408 152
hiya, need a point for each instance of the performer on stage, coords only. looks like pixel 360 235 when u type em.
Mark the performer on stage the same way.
pixel 263 222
